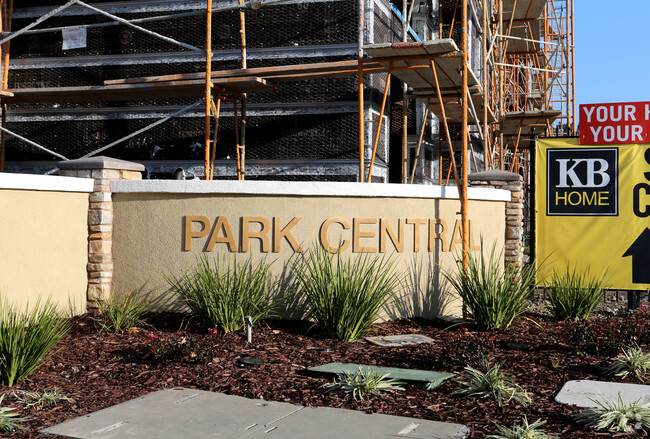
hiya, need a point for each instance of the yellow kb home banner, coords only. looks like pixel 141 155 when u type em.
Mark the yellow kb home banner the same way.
pixel 592 206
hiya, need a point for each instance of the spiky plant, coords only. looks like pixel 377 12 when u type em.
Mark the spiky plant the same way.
pixel 121 312
pixel 631 361
pixel 575 294
pixel 38 400
pixel 10 422
pixel 223 291
pixel 492 383
pixel 27 337
pixel 363 383
pixel 524 431
pixel 616 415
pixel 344 294
pixel 494 295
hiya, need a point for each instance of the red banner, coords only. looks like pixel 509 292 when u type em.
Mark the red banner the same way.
pixel 616 123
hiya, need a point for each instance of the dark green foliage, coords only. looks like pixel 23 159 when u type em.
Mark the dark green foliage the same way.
pixel 121 312
pixel 494 295
pixel 610 336
pixel 344 294
pixel 223 292
pixel 574 295
pixel 26 338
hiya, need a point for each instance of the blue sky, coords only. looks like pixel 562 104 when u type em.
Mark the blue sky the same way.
pixel 612 51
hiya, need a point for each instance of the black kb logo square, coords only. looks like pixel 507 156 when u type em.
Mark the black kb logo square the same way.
pixel 582 182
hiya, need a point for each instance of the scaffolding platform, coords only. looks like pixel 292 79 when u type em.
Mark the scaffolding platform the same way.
pixel 524 10
pixel 454 109
pixel 125 92
pixel 411 64
pixel 521 123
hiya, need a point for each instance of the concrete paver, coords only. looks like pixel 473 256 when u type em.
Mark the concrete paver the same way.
pixel 189 414
pixel 581 392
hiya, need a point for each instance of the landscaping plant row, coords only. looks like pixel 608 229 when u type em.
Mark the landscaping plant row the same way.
pixel 344 296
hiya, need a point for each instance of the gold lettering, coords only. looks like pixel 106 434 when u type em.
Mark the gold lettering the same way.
pixel 442 235
pixel 262 234
pixel 189 233
pixel 385 231
pixel 417 222
pixel 324 241
pixel 558 198
pixel 456 236
pixel 228 238
pixel 279 233
pixel 357 234
pixel 471 237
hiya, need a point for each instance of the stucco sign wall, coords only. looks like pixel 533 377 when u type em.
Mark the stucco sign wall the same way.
pixel 160 227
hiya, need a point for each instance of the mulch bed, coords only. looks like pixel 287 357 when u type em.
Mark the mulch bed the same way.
pixel 100 369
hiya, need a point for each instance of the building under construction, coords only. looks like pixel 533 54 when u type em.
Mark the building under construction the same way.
pixel 411 91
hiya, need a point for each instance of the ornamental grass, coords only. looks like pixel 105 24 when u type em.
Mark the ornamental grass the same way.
pixel 345 295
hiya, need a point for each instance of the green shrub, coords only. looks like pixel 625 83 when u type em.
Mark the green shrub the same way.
pixel 26 338
pixel 493 295
pixel 632 360
pixel 616 416
pixel 574 295
pixel 344 294
pixel 121 312
pixel 524 431
pixel 492 383
pixel 10 421
pixel 364 382
pixel 223 292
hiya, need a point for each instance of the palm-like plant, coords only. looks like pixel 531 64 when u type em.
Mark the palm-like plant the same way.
pixel 524 431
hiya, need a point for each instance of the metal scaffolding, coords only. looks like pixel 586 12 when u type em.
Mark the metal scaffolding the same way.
pixel 494 73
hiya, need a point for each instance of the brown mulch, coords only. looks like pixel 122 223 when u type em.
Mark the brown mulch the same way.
pixel 100 370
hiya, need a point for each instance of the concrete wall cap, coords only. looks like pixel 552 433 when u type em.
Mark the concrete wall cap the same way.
pixel 494 175
pixel 53 183
pixel 101 162
pixel 332 189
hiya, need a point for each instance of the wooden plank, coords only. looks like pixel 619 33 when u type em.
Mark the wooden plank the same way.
pixel 338 67
pixel 125 92
pixel 426 379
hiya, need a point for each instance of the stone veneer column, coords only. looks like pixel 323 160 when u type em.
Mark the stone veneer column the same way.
pixel 100 215
pixel 514 209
